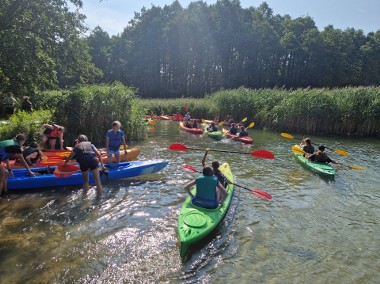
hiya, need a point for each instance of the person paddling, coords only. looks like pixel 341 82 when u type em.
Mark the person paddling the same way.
pixel 233 129
pixel 210 192
pixel 212 127
pixel 85 154
pixel 243 132
pixel 307 146
pixel 320 156
pixel 215 168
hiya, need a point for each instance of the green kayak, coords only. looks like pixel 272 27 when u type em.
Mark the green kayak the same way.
pixel 323 169
pixel 217 135
pixel 196 223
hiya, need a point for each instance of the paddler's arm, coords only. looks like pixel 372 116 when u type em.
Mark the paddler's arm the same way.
pixel 25 164
pixel 204 157
pixel 125 147
pixel 67 159
pixel 10 173
pixel 223 192
pixel 99 158
pixel 190 185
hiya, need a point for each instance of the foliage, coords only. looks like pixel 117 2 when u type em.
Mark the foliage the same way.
pixel 354 111
pixel 40 46
pixel 91 110
pixel 24 122
pixel 171 51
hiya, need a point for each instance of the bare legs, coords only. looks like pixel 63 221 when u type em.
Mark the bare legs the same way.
pixel 96 175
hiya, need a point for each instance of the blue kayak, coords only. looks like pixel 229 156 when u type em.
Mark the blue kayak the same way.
pixel 22 180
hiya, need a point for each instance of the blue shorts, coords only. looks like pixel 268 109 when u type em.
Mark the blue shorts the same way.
pixel 114 152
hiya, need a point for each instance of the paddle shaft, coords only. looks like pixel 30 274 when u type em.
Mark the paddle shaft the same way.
pixel 224 151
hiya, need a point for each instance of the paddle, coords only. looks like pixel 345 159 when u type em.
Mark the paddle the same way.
pixel 221 123
pixel 338 151
pixel 258 153
pixel 297 150
pixel 65 170
pixel 261 193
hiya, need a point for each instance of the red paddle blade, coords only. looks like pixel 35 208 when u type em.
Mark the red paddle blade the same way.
pixel 190 168
pixel 178 147
pixel 262 194
pixel 263 154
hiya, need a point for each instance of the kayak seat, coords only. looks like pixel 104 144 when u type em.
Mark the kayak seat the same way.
pixel 204 203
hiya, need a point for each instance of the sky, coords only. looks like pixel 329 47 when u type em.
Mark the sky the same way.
pixel 113 15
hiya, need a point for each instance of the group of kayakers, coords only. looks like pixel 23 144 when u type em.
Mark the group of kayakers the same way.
pixel 85 153
pixel 316 156
pixel 239 131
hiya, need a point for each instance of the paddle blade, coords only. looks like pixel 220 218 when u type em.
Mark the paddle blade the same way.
pixel 190 168
pixel 251 125
pixel 65 170
pixel 356 168
pixel 263 154
pixel 244 119
pixel 297 150
pixel 261 193
pixel 152 122
pixel 286 135
pixel 341 152
pixel 221 123
pixel 177 147
pixel 203 121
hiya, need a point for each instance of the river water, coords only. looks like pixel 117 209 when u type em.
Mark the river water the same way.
pixel 313 230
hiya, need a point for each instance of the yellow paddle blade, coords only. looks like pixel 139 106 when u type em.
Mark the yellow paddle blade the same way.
pixel 203 121
pixel 356 168
pixel 122 147
pixel 341 152
pixel 244 119
pixel 298 150
pixel 221 123
pixel 251 125
pixel 286 135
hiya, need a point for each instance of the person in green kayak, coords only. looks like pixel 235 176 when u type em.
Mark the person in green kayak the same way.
pixel 320 156
pixel 307 146
pixel 85 153
pixel 215 168
pixel 12 148
pixel 210 192
pixel 212 127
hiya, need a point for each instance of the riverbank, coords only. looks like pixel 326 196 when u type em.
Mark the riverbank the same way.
pixel 346 111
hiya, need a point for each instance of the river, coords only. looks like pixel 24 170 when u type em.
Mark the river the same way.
pixel 312 231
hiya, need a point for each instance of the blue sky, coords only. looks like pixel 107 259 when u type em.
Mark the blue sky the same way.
pixel 113 15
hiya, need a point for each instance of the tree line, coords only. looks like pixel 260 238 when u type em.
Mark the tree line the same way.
pixel 173 51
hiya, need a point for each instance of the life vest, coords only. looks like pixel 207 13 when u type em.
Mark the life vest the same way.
pixel 28 151
pixel 233 130
pixel 114 139
pixel 52 133
pixel 308 149
pixel 83 149
pixel 206 195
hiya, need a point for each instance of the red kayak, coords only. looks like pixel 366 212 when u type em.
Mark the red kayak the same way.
pixel 244 139
pixel 177 117
pixel 191 130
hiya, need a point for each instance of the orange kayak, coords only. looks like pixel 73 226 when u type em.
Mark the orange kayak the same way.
pixel 57 161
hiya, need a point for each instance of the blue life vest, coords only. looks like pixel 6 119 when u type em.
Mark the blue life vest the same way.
pixel 206 195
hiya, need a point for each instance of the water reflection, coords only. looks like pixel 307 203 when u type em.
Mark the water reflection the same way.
pixel 312 228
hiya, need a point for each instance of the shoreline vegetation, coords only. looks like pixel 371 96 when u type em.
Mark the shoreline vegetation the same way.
pixel 353 111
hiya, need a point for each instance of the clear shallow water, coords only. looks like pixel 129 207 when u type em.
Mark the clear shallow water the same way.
pixel 313 230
